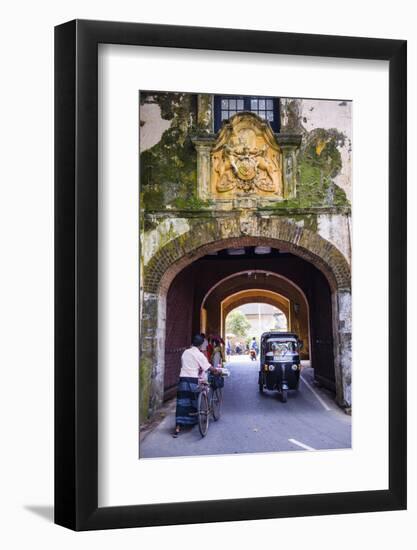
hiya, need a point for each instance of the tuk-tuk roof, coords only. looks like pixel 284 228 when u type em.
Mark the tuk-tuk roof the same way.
pixel 276 335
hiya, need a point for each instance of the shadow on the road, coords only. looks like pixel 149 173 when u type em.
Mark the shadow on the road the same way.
pixel 273 394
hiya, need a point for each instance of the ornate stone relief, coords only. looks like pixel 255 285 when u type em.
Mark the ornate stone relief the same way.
pixel 246 164
pixel 246 158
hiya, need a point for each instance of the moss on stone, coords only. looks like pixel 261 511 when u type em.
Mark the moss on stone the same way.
pixel 144 387
pixel 319 162
pixel 191 202
pixel 168 170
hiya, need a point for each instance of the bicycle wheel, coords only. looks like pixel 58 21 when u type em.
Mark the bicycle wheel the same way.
pixel 203 413
pixel 216 403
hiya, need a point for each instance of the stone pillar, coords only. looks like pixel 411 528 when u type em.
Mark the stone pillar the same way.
pixel 342 308
pixel 289 172
pixel 289 144
pixel 152 355
pixel 203 146
pixel 205 113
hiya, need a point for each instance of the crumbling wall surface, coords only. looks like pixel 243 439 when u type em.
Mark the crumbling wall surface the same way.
pixel 176 223
pixel 324 158
pixel 336 229
pixel 168 169
pixel 168 160
pixel 152 125
pixel 329 115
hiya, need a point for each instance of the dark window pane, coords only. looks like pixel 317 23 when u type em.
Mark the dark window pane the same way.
pixel 265 108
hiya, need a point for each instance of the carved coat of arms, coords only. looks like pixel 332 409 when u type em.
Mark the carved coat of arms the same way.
pixel 247 158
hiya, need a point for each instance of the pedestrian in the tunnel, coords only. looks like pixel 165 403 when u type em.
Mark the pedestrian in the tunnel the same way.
pixel 193 364
pixel 209 347
pixel 228 347
pixel 254 345
pixel 217 358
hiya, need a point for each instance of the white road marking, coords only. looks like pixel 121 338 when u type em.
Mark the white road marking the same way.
pixel 302 445
pixel 310 387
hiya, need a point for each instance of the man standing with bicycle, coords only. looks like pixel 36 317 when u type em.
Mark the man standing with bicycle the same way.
pixel 193 364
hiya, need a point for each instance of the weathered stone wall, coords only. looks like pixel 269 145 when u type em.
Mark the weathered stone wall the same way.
pixel 329 115
pixel 169 178
pixel 177 225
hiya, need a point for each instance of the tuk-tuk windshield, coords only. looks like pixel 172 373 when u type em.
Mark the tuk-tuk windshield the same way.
pixel 280 348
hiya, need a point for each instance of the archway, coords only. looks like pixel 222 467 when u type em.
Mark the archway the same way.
pixel 247 319
pixel 254 296
pixel 304 250
pixel 257 282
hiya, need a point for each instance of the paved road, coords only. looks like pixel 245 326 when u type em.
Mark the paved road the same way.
pixel 255 422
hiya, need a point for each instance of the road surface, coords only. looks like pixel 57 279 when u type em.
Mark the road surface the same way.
pixel 254 422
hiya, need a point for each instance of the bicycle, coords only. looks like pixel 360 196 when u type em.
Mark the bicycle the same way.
pixel 209 402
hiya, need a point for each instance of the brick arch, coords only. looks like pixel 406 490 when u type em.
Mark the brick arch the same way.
pixel 256 296
pixel 204 237
pixel 227 232
pixel 266 281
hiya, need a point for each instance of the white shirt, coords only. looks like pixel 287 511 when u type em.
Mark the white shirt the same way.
pixel 192 360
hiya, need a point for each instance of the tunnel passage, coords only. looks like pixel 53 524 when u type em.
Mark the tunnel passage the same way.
pixel 252 296
pixel 257 286
pixel 213 278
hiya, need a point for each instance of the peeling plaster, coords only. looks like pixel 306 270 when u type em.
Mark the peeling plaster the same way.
pixel 327 115
pixel 335 229
pixel 165 232
pixel 152 125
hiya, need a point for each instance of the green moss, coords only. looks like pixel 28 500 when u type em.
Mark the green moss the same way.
pixel 152 198
pixel 168 170
pixel 319 162
pixel 191 203
pixel 144 387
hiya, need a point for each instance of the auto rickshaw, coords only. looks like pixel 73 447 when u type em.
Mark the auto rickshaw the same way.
pixel 280 362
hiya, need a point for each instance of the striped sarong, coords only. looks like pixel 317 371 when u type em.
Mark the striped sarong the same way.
pixel 187 394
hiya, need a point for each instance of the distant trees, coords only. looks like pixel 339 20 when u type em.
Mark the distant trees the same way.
pixel 236 323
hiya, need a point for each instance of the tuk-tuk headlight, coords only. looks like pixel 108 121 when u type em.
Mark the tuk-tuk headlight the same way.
pixel 271 367
pixel 294 367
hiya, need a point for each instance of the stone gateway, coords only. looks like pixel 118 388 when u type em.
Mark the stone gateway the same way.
pixel 243 211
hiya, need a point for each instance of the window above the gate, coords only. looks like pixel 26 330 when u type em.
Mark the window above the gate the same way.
pixel 267 108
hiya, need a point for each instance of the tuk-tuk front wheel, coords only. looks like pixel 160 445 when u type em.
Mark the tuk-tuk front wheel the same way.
pixel 261 387
pixel 284 395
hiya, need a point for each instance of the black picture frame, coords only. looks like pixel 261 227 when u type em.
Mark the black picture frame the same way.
pixel 76 271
